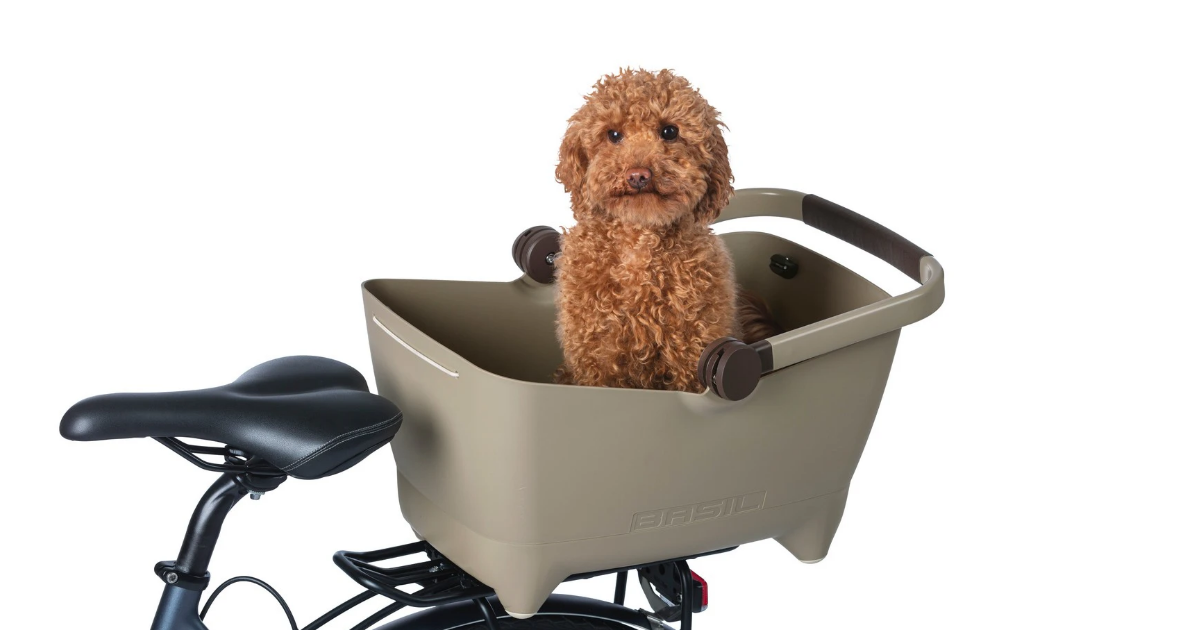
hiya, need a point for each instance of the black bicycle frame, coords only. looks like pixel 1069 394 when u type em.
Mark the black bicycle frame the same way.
pixel 186 578
pixel 178 610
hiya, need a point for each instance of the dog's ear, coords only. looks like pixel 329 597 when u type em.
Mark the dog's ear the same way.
pixel 572 164
pixel 720 180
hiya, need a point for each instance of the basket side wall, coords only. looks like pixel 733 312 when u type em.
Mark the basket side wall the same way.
pixel 528 463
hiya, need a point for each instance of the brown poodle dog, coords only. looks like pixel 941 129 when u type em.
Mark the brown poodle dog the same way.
pixel 643 283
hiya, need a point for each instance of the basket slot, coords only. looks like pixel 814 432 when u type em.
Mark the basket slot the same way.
pixel 438 366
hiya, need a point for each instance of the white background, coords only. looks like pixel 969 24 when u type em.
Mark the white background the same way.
pixel 188 190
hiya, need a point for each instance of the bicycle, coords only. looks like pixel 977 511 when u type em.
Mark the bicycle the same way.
pixel 781 403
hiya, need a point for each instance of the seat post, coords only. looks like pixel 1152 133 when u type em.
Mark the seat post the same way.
pixel 206 521
pixel 187 577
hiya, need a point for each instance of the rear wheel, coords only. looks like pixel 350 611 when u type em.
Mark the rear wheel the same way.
pixel 559 612
pixel 552 622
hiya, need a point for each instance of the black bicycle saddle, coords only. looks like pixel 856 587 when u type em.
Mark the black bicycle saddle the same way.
pixel 309 417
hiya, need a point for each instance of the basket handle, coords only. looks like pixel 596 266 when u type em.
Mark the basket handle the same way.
pixel 860 324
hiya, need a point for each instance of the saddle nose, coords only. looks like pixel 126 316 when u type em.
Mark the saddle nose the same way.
pixel 638 178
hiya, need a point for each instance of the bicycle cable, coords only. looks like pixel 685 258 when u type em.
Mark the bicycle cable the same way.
pixel 252 580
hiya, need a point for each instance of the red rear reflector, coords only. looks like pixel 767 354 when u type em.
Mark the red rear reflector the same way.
pixel 703 590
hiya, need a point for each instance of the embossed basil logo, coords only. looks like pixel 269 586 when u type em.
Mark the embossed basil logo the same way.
pixel 697 512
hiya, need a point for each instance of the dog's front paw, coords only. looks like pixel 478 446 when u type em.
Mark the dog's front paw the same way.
pixel 563 376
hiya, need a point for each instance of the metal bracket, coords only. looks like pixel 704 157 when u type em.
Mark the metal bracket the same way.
pixel 167 572
pixel 655 622
pixel 672 592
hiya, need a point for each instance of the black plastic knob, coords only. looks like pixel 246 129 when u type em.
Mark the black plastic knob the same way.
pixel 534 253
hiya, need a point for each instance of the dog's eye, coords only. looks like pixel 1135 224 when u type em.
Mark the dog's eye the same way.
pixel 669 133
pixel 614 136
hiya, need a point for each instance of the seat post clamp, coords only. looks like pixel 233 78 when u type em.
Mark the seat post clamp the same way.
pixel 169 574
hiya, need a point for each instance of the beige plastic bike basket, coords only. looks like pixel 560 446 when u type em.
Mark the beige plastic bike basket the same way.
pixel 522 482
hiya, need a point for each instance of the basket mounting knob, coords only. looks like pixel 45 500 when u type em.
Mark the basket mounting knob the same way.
pixel 534 253
pixel 730 368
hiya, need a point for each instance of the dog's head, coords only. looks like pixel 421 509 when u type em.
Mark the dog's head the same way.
pixel 646 149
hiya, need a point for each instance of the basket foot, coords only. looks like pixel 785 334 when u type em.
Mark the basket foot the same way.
pixel 810 542
pixel 522 597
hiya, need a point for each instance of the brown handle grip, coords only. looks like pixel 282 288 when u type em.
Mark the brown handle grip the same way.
pixel 865 234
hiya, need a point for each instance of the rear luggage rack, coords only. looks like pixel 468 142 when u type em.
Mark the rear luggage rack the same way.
pixel 442 582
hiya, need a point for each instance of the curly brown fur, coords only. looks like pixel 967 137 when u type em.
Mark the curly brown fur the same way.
pixel 754 318
pixel 643 283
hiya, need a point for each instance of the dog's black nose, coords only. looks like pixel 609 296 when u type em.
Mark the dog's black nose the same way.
pixel 638 178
